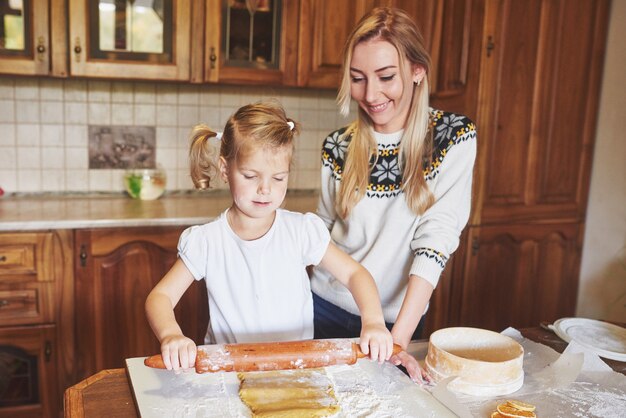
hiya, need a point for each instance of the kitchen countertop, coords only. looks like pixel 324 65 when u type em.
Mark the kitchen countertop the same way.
pixel 30 212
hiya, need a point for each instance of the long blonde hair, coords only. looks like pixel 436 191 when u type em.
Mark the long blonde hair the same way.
pixel 255 126
pixel 397 28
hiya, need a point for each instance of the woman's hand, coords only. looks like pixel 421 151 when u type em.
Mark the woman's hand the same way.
pixel 416 373
pixel 178 352
pixel 376 341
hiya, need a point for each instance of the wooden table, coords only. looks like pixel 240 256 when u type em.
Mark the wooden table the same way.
pixel 108 393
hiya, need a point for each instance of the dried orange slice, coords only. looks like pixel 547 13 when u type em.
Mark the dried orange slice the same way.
pixel 522 406
pixel 508 411
pixel 496 414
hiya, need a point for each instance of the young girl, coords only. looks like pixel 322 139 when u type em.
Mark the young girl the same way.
pixel 396 183
pixel 253 257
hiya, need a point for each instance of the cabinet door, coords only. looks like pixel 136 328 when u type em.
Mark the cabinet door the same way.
pixel 541 82
pixel 115 269
pixel 130 39
pixel 251 41
pixel 323 30
pixel 520 275
pixel 28 369
pixel 24 37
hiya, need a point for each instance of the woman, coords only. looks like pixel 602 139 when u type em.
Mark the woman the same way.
pixel 396 183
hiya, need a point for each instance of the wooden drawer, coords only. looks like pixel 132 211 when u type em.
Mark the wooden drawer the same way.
pixel 26 257
pixel 21 306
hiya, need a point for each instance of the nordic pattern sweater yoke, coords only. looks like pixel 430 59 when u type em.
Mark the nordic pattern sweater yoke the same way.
pixel 381 232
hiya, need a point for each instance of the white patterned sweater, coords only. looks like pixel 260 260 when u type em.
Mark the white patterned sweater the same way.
pixel 382 233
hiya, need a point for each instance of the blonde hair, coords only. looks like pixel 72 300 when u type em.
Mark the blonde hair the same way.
pixel 256 126
pixel 396 27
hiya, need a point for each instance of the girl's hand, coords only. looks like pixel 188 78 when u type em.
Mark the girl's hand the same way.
pixel 376 341
pixel 416 373
pixel 178 352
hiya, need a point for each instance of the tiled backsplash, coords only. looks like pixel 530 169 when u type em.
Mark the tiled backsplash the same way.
pixel 44 128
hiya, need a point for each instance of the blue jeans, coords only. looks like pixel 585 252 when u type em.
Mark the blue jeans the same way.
pixel 330 321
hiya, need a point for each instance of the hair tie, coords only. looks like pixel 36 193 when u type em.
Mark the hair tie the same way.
pixel 218 135
pixel 291 125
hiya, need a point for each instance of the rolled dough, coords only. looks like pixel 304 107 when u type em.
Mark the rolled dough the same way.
pixel 288 393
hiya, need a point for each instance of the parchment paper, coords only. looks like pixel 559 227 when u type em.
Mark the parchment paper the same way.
pixel 576 383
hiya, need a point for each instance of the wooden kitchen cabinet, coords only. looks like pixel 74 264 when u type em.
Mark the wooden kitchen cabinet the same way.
pixel 127 40
pixel 519 275
pixel 32 283
pixel 29 44
pixel 28 386
pixel 538 90
pixel 115 269
pixel 251 45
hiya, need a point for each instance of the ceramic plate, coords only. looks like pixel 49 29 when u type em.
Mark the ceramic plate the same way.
pixel 606 340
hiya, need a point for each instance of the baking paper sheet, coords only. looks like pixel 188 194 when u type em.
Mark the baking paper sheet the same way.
pixel 366 389
pixel 576 383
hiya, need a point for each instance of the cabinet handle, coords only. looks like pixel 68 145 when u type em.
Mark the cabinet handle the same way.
pixel 475 246
pixel 48 351
pixel 3 258
pixel 490 45
pixel 41 48
pixel 213 58
pixel 77 49
pixel 4 302
pixel 83 256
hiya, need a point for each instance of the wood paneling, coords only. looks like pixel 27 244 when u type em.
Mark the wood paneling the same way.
pixel 120 268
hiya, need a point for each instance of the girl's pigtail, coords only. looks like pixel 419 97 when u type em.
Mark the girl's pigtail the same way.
pixel 201 157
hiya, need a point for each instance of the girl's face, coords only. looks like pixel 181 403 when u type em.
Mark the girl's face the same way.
pixel 377 84
pixel 258 181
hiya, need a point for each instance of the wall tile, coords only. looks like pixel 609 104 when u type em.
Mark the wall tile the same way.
pixel 52 135
pixel 166 137
pixel 7 88
pixel 99 113
pixel 28 135
pixel 99 91
pixel 122 114
pixel 75 113
pixel 7 111
pixel 77 180
pixel 166 115
pixel 145 114
pixel 26 111
pixel 167 94
pixel 76 158
pixel 28 158
pixel 145 93
pixel 29 180
pixel 188 116
pixel 51 112
pixel 52 180
pixel 122 92
pixel 101 181
pixel 75 91
pixel 53 158
pixel 26 89
pixel 8 180
pixel 51 89
pixel 188 95
pixel 8 158
pixel 7 134
pixel 76 135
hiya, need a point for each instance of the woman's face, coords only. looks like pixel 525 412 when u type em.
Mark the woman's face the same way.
pixel 376 84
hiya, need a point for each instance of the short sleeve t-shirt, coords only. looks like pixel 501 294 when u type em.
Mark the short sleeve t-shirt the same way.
pixel 258 290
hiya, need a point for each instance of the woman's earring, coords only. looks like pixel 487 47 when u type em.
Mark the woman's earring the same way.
pixel 419 83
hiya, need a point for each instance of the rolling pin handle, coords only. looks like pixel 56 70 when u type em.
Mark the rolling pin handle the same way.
pixel 155 361
pixel 359 353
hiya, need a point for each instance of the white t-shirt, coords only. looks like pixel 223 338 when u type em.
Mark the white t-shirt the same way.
pixel 258 290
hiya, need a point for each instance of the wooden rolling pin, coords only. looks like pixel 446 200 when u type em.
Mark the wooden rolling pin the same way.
pixel 251 357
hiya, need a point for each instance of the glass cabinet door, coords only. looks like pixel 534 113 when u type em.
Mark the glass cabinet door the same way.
pixel 146 39
pixel 24 37
pixel 251 41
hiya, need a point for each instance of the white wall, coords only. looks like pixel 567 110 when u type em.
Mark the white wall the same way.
pixel 602 290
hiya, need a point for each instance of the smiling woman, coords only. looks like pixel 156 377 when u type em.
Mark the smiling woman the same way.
pixel 396 183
